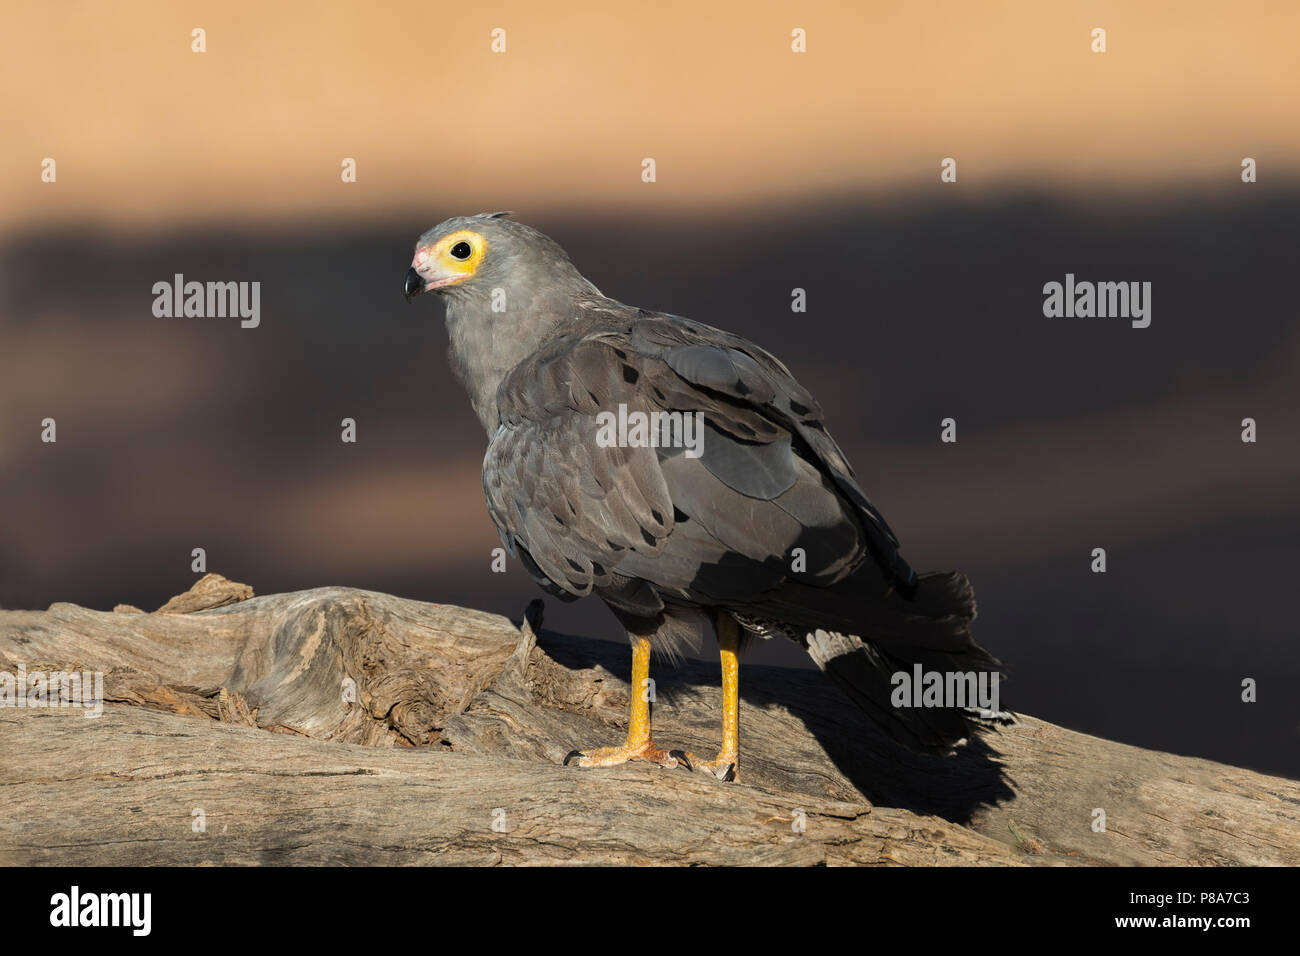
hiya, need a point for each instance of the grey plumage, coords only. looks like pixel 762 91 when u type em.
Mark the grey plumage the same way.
pixel 665 539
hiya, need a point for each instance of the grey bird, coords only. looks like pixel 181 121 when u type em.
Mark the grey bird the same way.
pixel 732 509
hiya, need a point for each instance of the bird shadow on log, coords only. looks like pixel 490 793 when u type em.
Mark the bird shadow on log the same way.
pixel 798 726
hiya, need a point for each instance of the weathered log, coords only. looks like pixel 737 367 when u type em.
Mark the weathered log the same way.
pixel 406 732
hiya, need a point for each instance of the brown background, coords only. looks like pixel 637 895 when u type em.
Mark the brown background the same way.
pixel 775 170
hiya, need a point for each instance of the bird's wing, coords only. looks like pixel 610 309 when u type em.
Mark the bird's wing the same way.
pixel 729 365
pixel 718 528
pixel 571 505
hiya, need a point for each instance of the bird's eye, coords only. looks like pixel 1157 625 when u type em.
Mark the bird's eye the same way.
pixel 461 250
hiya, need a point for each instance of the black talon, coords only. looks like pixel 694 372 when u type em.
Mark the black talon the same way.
pixel 681 755
pixel 730 775
pixel 570 755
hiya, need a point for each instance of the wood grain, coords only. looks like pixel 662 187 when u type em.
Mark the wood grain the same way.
pixel 345 726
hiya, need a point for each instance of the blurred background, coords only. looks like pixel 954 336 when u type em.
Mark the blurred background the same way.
pixel 775 170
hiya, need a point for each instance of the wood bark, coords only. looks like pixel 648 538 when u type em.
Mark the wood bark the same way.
pixel 345 726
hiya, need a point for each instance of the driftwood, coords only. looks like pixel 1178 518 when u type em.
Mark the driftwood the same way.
pixel 346 726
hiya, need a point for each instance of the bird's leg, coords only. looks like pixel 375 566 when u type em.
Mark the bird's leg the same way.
pixel 726 766
pixel 638 745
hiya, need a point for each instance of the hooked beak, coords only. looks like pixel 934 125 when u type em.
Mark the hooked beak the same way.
pixel 414 284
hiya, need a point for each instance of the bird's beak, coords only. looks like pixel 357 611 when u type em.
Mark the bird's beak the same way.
pixel 414 284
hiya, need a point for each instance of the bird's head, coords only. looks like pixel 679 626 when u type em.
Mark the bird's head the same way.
pixel 479 253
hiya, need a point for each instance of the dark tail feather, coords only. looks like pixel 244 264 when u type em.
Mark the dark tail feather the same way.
pixel 932 630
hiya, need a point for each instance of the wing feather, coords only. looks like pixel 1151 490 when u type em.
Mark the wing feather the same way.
pixel 716 528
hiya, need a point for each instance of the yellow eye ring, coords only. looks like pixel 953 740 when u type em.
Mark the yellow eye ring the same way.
pixel 460 253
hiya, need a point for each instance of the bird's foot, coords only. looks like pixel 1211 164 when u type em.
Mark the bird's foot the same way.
pixel 724 767
pixel 612 756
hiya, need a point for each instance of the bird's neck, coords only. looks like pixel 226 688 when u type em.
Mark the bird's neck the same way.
pixel 486 345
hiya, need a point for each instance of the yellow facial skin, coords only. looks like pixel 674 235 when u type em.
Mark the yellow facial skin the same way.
pixel 440 269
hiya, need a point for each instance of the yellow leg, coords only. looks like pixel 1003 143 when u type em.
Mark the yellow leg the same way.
pixel 638 745
pixel 726 766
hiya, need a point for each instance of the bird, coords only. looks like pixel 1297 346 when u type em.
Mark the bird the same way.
pixel 740 515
